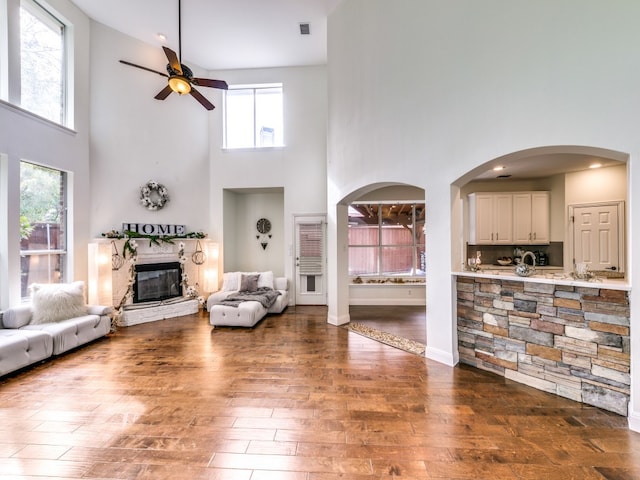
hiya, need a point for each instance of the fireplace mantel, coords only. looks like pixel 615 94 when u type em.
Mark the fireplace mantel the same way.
pixel 107 286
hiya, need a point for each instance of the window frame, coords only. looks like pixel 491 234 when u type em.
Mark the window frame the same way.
pixel 254 88
pixel 10 53
pixel 415 246
pixel 63 253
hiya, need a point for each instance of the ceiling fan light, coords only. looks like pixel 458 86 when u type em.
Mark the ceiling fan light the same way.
pixel 179 84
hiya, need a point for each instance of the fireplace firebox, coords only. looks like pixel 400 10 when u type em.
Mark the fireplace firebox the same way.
pixel 157 281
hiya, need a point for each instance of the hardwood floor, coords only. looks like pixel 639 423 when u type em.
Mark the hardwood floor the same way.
pixel 291 399
pixel 405 321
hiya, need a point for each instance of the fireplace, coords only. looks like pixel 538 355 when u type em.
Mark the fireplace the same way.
pixel 157 281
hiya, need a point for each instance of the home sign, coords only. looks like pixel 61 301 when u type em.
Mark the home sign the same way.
pixel 155 229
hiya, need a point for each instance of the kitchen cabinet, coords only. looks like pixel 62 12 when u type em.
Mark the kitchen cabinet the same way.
pixel 491 218
pixel 509 218
pixel 531 218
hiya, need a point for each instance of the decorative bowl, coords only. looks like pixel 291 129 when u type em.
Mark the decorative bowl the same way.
pixel 504 262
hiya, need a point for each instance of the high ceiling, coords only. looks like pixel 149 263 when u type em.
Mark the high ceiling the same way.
pixel 238 34
pixel 224 34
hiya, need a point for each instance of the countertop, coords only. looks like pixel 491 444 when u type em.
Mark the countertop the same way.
pixel 551 275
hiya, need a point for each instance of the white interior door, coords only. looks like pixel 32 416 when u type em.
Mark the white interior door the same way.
pixel 311 261
pixel 597 236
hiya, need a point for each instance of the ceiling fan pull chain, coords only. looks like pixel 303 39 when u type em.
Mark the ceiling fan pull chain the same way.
pixel 180 31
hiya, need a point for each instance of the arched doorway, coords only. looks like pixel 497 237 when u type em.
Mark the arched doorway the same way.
pixel 570 178
pixel 385 263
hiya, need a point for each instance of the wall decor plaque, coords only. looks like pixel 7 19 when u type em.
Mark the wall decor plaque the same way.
pixel 155 229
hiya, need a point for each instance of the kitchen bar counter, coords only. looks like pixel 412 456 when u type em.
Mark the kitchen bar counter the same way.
pixel 549 331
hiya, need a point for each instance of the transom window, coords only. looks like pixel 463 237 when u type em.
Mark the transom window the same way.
pixel 41 62
pixel 34 76
pixel 386 239
pixel 43 226
pixel 253 116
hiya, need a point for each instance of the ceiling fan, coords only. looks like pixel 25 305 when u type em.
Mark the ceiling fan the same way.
pixel 181 79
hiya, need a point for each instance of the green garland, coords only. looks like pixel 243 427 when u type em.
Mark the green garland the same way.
pixel 153 239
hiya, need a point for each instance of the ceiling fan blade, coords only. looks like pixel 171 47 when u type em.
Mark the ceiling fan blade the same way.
pixel 206 82
pixel 144 68
pixel 173 59
pixel 164 93
pixel 203 101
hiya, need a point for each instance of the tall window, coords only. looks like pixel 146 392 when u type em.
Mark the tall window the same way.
pixel 43 226
pixel 42 60
pixel 253 116
pixel 386 239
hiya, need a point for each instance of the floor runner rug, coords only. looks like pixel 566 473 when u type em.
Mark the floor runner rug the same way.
pixel 386 338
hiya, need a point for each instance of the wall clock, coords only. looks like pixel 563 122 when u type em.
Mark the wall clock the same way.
pixel 263 226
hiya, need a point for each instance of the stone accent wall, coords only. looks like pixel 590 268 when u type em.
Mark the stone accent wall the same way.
pixel 568 340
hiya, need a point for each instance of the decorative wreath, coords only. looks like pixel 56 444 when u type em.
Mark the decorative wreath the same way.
pixel 153 195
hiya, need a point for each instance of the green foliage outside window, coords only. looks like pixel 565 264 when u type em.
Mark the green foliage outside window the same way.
pixel 39 197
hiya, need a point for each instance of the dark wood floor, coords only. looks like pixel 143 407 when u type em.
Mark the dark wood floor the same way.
pixel 402 320
pixel 291 399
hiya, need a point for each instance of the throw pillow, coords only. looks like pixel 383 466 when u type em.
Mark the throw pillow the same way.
pixel 265 280
pixel 281 283
pixel 57 301
pixel 230 282
pixel 249 283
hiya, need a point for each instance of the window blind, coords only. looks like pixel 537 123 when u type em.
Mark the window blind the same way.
pixel 311 248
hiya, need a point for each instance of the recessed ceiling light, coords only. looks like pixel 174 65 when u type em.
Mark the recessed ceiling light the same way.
pixel 595 165
pixel 498 168
pixel 162 37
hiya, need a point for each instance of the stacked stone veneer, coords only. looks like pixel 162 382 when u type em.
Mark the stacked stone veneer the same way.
pixel 567 340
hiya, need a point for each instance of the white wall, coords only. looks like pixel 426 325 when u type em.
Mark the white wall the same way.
pixel 423 91
pixel 135 138
pixel 298 169
pixel 597 185
pixel 26 137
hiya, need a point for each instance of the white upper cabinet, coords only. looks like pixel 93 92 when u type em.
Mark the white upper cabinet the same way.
pixel 491 218
pixel 531 218
pixel 510 218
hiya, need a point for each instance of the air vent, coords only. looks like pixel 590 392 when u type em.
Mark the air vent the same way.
pixel 503 176
pixel 304 29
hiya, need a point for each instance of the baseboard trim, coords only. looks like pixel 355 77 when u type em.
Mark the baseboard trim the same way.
pixel 441 356
pixel 392 302
pixel 338 320
pixel 634 422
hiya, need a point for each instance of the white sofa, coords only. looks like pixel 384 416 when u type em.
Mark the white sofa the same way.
pixel 246 313
pixel 28 335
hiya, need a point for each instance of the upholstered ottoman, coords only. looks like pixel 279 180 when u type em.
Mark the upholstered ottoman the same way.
pixel 20 348
pixel 247 314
